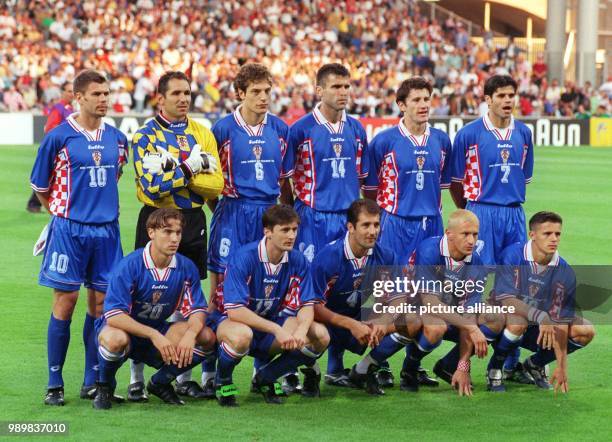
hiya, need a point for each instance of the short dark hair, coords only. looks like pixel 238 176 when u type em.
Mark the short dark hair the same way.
pixel 162 85
pixel 280 214
pixel 251 73
pixel 360 206
pixel 84 78
pixel 67 83
pixel 498 81
pixel 331 69
pixel 544 217
pixel 159 218
pixel 413 83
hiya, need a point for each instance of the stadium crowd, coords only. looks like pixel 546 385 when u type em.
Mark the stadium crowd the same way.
pixel 43 44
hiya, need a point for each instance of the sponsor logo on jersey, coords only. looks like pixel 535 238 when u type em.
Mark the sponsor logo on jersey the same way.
pixel 421 152
pixel 504 146
pixel 97 157
pixel 159 287
pixel 155 298
pixel 257 151
pixel 337 140
pixel 257 142
pixel 95 147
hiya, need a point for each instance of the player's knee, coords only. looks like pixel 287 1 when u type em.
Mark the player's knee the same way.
pixel 409 326
pixel 583 334
pixel 516 329
pixel 206 338
pixel 434 332
pixel 64 304
pixel 240 338
pixel 493 322
pixel 115 341
pixel 319 336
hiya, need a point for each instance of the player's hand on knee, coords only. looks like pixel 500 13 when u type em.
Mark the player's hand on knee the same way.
pixel 546 338
pixel 376 334
pixel 165 348
pixel 184 350
pixel 462 383
pixel 361 332
pixel 285 339
pixel 300 338
pixel 559 380
pixel 479 341
pixel 209 163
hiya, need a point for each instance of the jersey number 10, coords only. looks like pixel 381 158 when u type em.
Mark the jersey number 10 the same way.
pixel 97 177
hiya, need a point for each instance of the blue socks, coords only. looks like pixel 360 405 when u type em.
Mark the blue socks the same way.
pixel 58 338
pixel 287 363
pixel 505 346
pixel 335 362
pixel 387 347
pixel 513 359
pixel 415 351
pixel 227 359
pixel 168 373
pixel 91 351
pixel 543 357
pixel 109 363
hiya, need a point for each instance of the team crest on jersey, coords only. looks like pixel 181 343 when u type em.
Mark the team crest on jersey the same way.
pixel 97 157
pixel 357 283
pixel 156 297
pixel 420 161
pixel 533 290
pixel 257 151
pixel 505 154
pixel 337 149
pixel 268 290
pixel 182 142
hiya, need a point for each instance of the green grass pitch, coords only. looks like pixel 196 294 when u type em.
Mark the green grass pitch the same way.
pixel 573 181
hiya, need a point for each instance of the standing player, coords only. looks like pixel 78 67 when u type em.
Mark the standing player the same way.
pixel 330 158
pixel 176 164
pixel 75 177
pixel 330 154
pixel 58 114
pixel 148 286
pixel 337 276
pixel 409 168
pixel 541 286
pixel 264 311
pixel 492 163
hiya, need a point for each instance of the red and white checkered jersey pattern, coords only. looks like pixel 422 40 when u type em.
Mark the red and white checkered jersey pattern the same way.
pixel 358 159
pixel 472 181
pixel 226 166
pixel 304 175
pixel 386 196
pixel 60 185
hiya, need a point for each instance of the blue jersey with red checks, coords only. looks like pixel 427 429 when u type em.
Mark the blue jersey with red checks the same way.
pixel 151 295
pixel 494 165
pixel 267 289
pixel 330 159
pixel 434 263
pixel 253 158
pixel 79 169
pixel 338 277
pixel 550 288
pixel 409 171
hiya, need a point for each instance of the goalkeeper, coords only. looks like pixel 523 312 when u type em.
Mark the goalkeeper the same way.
pixel 177 166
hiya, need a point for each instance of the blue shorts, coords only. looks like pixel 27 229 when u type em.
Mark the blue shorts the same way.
pixel 317 229
pixel 141 349
pixel 78 253
pixel 234 223
pixel 342 339
pixel 403 235
pixel 262 341
pixel 500 226
pixel 451 334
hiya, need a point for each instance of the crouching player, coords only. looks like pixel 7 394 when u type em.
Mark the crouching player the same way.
pixel 263 310
pixel 147 287
pixel 541 287
pixel 336 279
pixel 454 278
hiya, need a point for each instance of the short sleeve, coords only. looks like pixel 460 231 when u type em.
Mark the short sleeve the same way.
pixel 235 284
pixel 118 297
pixel 44 165
pixel 457 162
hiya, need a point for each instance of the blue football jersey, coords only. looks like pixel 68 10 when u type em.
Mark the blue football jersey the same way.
pixel 440 275
pixel 330 159
pixel 408 171
pixel 494 165
pixel 550 288
pixel 253 159
pixel 80 170
pixel 267 289
pixel 151 295
pixel 340 280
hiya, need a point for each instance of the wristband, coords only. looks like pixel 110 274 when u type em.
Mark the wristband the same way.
pixel 535 315
pixel 464 366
